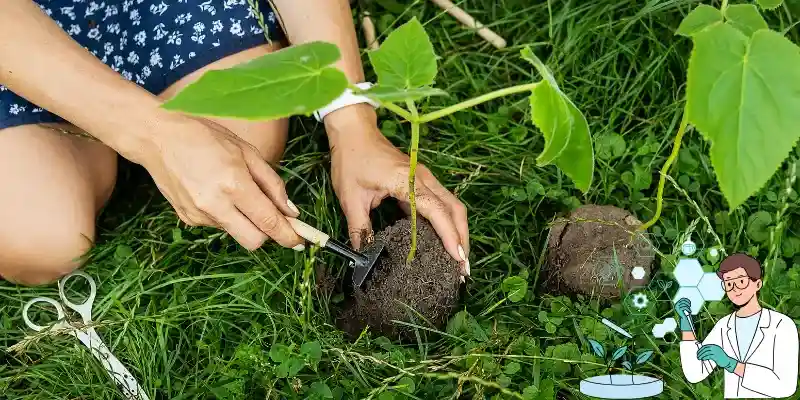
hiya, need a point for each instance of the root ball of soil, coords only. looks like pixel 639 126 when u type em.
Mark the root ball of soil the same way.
pixel 594 252
pixel 423 293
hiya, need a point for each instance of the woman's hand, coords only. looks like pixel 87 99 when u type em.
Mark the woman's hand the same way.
pixel 213 178
pixel 367 168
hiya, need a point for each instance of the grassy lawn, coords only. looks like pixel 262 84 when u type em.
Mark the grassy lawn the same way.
pixel 194 316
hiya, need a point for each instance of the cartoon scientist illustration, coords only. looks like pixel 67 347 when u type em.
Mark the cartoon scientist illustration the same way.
pixel 757 347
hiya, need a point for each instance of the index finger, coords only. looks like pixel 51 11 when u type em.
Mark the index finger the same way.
pixel 258 208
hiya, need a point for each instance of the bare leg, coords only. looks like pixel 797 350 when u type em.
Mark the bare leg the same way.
pixel 53 185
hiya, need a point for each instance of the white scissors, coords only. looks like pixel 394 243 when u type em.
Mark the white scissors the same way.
pixel 88 336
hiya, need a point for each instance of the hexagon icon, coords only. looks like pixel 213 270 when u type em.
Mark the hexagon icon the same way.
pixel 693 295
pixel 710 287
pixel 688 272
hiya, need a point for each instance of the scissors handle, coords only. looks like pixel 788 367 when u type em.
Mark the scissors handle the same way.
pixel 122 377
pixel 84 308
pixel 26 310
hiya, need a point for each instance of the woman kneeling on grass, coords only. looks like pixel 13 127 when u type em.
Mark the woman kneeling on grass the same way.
pixel 72 66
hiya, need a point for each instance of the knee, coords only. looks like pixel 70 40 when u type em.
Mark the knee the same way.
pixel 43 257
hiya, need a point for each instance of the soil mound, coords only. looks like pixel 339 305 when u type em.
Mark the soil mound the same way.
pixel 594 253
pixel 424 293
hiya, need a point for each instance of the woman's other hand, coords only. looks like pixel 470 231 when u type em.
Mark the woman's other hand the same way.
pixel 367 168
pixel 213 178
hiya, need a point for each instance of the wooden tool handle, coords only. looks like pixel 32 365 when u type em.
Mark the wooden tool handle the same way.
pixel 308 232
pixel 466 19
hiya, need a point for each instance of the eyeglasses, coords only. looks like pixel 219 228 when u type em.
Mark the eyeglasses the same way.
pixel 741 283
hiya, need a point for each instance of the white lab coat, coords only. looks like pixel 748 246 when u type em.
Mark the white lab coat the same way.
pixel 770 364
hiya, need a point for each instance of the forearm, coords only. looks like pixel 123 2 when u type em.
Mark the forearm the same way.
pixel 331 21
pixel 40 62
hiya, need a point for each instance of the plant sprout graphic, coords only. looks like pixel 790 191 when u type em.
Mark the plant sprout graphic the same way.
pixel 600 351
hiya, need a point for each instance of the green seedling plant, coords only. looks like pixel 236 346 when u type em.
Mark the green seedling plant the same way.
pixel 302 78
pixel 741 95
pixel 611 359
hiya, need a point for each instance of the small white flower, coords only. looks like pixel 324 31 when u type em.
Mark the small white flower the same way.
pixel 135 17
pixel 256 30
pixel 93 7
pixel 118 60
pixel 159 9
pixel 123 40
pixel 127 75
pixel 236 27
pixel 161 31
pixel 74 30
pixel 146 72
pixel 108 48
pixel 207 7
pixel 176 62
pixel 126 5
pixel 198 38
pixel 192 54
pixel 133 58
pixel 216 26
pixel 113 28
pixel 94 33
pixel 174 37
pixel 15 109
pixel 37 110
pixel 140 38
pixel 216 44
pixel 139 80
pixel 69 12
pixel 271 17
pixel 199 27
pixel 155 58
pixel 183 18
pixel 110 12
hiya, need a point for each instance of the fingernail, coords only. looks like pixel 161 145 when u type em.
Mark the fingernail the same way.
pixel 461 253
pixel 466 267
pixel 299 247
pixel 462 279
pixel 292 206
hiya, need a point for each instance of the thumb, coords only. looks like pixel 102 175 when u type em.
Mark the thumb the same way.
pixel 359 226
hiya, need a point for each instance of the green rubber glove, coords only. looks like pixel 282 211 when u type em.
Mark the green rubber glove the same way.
pixel 715 353
pixel 684 309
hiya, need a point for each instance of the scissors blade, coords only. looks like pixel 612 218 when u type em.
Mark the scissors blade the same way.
pixel 121 376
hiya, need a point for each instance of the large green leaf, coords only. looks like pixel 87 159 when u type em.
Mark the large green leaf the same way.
pixel 746 18
pixel 388 94
pixel 293 81
pixel 698 19
pixel 551 115
pixel 568 142
pixel 769 4
pixel 742 95
pixel 406 58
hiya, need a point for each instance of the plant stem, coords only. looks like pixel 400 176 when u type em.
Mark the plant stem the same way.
pixel 398 110
pixel 412 175
pixel 475 101
pixel 664 171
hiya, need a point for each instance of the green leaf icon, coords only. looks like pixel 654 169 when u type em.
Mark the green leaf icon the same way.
pixel 406 59
pixel 742 96
pixel 644 356
pixel 293 81
pixel 597 348
pixel 619 353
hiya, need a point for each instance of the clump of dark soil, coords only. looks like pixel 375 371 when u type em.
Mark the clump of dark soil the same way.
pixel 593 252
pixel 423 293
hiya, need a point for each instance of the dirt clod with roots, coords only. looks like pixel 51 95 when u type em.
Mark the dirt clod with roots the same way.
pixel 594 251
pixel 424 293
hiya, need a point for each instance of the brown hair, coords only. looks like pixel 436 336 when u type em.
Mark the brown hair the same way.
pixel 740 260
